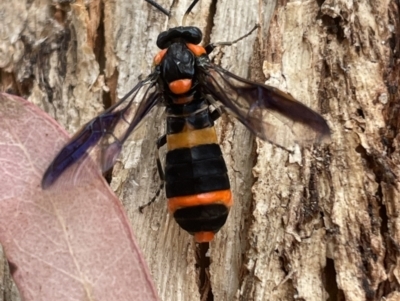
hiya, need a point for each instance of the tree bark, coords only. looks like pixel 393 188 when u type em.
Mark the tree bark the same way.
pixel 320 224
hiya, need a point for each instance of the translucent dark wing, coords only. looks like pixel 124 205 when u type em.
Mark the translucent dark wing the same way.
pixel 269 113
pixel 107 132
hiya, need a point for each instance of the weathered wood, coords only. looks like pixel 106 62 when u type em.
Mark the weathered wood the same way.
pixel 319 224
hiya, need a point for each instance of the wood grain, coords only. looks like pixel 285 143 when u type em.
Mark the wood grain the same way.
pixel 319 224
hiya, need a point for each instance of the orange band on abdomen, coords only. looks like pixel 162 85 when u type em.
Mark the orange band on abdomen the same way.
pixel 214 197
pixel 204 236
pixel 192 138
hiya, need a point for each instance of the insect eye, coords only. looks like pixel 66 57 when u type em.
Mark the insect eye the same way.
pixel 159 57
pixel 196 49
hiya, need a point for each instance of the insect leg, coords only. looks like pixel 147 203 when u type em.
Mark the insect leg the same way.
pixel 215 114
pixel 218 109
pixel 160 143
pixel 209 48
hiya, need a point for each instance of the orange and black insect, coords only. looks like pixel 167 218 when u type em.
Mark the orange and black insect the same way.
pixel 194 92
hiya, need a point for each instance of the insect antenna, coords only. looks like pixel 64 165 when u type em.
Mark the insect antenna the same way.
pixel 159 7
pixel 164 10
pixel 188 11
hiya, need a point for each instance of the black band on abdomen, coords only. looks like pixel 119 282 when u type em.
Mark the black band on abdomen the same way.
pixel 195 170
pixel 202 218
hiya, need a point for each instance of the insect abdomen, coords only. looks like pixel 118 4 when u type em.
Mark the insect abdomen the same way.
pixel 197 183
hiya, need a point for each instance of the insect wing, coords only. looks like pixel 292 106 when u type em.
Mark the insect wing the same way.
pixel 104 135
pixel 269 113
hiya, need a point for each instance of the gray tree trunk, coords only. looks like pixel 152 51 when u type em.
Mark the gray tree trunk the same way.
pixel 321 224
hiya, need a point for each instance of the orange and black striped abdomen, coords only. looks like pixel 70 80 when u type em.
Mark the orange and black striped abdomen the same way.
pixel 197 183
